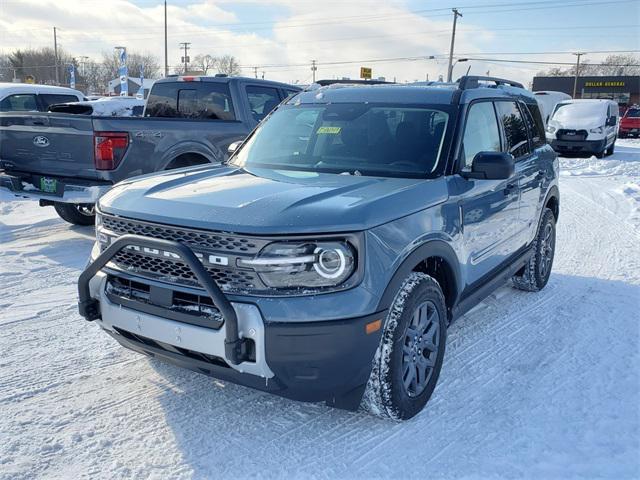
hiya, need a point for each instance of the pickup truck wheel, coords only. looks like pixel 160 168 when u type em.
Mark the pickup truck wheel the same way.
pixel 407 363
pixel 81 214
pixel 535 274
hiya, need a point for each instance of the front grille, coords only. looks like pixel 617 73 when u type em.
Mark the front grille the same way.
pixel 575 135
pixel 176 271
pixel 231 247
pixel 193 238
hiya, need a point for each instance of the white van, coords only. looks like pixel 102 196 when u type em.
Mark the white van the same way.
pixel 547 100
pixel 25 97
pixel 584 126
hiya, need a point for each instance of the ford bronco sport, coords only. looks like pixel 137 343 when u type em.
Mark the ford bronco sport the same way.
pixel 326 259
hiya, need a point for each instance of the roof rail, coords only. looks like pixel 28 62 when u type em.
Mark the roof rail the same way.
pixel 472 81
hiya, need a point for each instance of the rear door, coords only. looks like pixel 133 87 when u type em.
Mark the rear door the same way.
pixel 527 169
pixel 51 144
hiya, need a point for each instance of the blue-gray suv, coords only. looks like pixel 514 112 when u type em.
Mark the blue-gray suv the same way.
pixel 326 259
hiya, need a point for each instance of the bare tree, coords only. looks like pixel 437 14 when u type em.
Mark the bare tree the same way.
pixel 205 62
pixel 135 60
pixel 6 69
pixel 40 63
pixel 228 64
pixel 612 65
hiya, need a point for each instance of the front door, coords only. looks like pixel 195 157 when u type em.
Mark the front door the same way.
pixel 488 208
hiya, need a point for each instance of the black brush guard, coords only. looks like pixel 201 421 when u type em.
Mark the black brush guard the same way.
pixel 235 347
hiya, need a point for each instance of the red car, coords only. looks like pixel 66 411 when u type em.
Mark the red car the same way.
pixel 630 123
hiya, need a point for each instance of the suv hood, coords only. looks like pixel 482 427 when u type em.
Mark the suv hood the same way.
pixel 259 201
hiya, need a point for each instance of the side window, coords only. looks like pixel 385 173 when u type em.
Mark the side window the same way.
pixel 515 130
pixel 53 98
pixel 215 101
pixel 534 123
pixel 262 100
pixel 21 102
pixel 481 133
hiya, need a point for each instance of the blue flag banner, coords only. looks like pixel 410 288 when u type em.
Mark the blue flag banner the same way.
pixel 140 93
pixel 72 76
pixel 123 73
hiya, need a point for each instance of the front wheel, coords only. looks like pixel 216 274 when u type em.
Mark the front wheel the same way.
pixel 77 214
pixel 407 363
pixel 535 274
pixel 611 148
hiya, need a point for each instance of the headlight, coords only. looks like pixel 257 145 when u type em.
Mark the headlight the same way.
pixel 304 264
pixel 597 130
pixel 551 129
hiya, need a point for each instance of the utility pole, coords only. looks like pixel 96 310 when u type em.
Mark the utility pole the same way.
pixel 255 72
pixel 185 59
pixel 456 14
pixel 575 80
pixel 314 69
pixel 166 55
pixel 55 54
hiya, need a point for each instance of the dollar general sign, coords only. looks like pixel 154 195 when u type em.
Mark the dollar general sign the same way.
pixel 604 84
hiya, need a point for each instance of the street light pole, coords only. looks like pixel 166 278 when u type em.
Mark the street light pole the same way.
pixel 456 14
pixel 454 64
pixel 166 55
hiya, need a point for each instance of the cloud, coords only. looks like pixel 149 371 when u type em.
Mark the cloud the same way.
pixel 283 49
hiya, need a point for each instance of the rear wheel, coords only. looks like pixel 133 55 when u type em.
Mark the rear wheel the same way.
pixel 77 214
pixel 535 274
pixel 407 363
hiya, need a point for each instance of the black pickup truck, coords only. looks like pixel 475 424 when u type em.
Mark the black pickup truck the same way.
pixel 69 161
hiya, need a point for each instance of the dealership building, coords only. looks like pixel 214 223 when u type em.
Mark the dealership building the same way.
pixel 624 89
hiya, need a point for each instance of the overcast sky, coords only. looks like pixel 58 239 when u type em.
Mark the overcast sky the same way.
pixel 270 34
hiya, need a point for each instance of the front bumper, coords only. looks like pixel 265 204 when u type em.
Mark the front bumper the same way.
pixel 326 361
pixel 578 146
pixel 70 192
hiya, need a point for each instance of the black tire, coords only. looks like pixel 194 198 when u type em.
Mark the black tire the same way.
pixel 76 214
pixel 535 274
pixel 600 154
pixel 611 149
pixel 418 301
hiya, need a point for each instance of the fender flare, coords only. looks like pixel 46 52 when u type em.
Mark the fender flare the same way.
pixel 213 155
pixel 431 248
pixel 553 192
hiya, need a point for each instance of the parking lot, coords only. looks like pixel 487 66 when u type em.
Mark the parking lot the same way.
pixel 544 384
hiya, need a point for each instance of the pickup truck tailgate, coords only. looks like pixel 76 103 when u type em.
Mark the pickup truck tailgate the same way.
pixel 57 145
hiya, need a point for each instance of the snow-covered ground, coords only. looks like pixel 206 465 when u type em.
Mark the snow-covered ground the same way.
pixel 537 386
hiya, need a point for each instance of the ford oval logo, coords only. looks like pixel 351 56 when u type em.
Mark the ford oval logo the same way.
pixel 41 141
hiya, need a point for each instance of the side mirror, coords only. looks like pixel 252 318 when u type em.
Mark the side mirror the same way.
pixel 491 166
pixel 611 122
pixel 231 149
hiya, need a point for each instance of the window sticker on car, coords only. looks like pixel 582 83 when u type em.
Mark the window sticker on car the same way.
pixel 329 130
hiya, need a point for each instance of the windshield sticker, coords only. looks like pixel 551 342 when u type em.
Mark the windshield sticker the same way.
pixel 329 130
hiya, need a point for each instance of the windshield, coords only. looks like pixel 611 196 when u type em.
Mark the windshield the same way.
pixel 571 111
pixel 633 113
pixel 357 139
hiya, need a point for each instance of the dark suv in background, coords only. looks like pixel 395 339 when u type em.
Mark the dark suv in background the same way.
pixel 327 259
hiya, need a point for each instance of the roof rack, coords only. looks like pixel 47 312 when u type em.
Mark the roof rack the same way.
pixel 472 81
pixel 345 81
